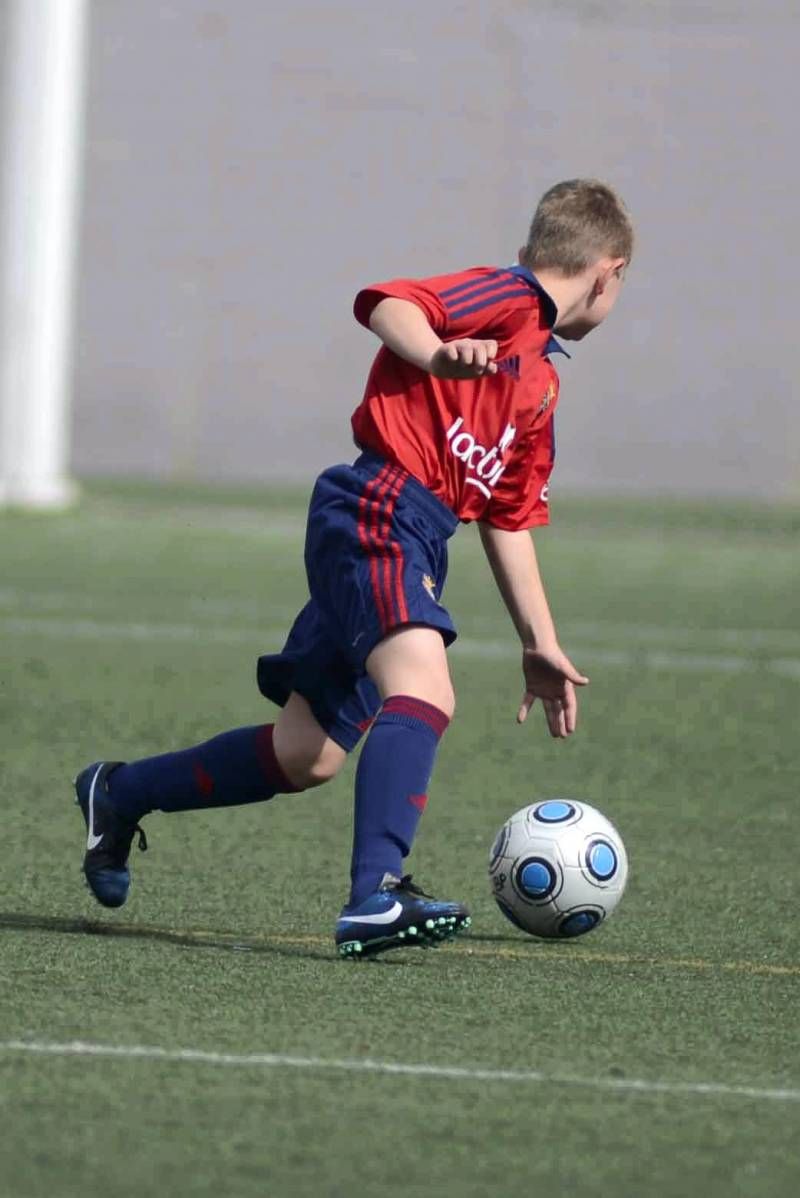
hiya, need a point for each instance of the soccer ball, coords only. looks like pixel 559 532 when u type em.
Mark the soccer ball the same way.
pixel 557 868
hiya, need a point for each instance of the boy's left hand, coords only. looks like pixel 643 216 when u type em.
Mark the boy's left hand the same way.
pixel 551 677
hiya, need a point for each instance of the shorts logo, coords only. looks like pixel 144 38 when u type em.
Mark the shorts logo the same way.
pixel 486 465
pixel 430 586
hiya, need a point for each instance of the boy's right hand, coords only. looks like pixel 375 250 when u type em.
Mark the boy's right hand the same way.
pixel 551 677
pixel 466 358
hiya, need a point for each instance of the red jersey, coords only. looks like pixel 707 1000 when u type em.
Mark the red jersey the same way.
pixel 484 446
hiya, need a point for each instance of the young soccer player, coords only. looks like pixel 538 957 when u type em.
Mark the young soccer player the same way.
pixel 456 424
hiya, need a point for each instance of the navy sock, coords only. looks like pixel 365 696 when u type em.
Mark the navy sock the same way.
pixel 234 767
pixel 391 789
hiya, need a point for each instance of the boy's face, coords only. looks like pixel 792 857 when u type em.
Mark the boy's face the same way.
pixel 603 284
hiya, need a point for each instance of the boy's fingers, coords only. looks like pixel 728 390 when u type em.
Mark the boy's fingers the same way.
pixel 574 675
pixel 555 717
pixel 570 708
pixel 491 348
pixel 527 703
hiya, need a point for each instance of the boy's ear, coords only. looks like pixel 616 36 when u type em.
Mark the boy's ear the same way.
pixel 605 271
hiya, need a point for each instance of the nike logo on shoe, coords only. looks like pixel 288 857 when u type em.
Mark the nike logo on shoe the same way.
pixel 382 916
pixel 93 841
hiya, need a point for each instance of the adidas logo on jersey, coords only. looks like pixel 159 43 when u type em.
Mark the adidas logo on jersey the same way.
pixel 510 366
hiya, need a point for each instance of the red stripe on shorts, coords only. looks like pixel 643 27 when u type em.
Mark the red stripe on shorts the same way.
pixel 369 507
pixel 379 529
pixel 386 560
pixel 365 514
pixel 393 559
pixel 384 545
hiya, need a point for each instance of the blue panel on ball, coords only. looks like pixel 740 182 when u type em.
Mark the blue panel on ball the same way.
pixel 578 923
pixel 553 812
pixel 536 878
pixel 500 842
pixel 602 860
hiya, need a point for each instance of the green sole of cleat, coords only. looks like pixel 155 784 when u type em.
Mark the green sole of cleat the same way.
pixel 431 935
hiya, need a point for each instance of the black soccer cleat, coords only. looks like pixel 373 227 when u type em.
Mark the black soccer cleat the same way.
pixel 397 915
pixel 109 836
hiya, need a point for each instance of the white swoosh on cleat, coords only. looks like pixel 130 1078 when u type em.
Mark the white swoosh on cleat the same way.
pixel 93 841
pixel 382 917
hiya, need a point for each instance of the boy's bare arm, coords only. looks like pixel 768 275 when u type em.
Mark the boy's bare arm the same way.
pixel 404 329
pixel 549 674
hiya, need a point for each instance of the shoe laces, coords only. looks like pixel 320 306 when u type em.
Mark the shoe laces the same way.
pixel 410 887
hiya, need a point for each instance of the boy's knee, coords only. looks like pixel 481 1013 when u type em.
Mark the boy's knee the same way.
pixel 309 769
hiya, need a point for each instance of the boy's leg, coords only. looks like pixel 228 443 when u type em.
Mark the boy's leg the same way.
pixel 245 765
pixel 411 673
pixel 242 766
pixel 386 910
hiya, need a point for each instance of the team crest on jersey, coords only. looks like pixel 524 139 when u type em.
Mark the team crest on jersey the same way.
pixel 548 398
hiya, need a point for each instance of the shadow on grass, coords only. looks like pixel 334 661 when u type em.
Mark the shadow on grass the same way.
pixel 306 945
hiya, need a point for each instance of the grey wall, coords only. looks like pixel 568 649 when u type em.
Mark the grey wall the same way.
pixel 249 165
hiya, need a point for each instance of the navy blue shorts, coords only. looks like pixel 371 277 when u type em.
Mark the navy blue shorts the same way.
pixel 376 559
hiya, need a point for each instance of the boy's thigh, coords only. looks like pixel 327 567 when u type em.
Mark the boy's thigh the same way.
pixel 412 660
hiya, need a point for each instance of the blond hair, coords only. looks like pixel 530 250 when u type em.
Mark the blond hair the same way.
pixel 577 222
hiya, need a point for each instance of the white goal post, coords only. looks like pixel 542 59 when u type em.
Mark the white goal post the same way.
pixel 43 117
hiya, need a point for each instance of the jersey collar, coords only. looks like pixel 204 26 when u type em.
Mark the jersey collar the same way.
pixel 548 307
pixel 555 347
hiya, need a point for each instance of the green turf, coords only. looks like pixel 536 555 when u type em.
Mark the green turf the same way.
pixel 132 625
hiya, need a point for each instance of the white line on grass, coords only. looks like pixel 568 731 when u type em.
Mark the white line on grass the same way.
pixel 466 646
pixel 268 1060
pixel 73 605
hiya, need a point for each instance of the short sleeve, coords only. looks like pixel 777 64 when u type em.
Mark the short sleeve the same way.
pixel 520 498
pixel 480 302
pixel 417 291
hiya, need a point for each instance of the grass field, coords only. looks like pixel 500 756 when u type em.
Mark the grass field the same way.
pixel 206 1041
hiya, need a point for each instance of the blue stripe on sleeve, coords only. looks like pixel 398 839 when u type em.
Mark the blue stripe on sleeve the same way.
pixel 470 283
pixel 488 302
pixel 478 293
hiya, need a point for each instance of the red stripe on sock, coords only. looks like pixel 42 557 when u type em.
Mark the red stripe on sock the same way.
pixel 419 801
pixel 433 716
pixel 271 767
pixel 205 783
